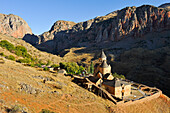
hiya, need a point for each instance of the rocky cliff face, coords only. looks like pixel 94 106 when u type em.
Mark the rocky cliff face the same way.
pixel 58 26
pixel 13 25
pixel 166 6
pixel 131 22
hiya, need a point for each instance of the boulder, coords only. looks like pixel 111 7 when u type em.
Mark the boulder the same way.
pixel 62 71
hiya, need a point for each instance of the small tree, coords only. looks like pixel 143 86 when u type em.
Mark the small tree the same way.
pixel 91 68
pixel 48 63
pixel 46 69
pixel 11 57
pixel 71 67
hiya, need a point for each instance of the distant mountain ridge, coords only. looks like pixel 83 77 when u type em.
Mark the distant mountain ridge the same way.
pixel 131 22
pixel 166 6
pixel 13 25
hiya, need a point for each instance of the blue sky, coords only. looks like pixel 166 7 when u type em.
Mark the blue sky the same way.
pixel 41 14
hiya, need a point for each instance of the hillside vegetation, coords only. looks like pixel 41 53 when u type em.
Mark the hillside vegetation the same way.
pixel 23 86
pixel 31 50
pixel 22 89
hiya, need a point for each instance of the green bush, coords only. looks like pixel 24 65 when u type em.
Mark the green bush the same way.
pixel 118 76
pixel 55 66
pixel 32 65
pixel 81 69
pixel 42 63
pixel 18 50
pixel 25 60
pixel 7 45
pixel 39 65
pixel 46 111
pixel 11 57
pixel 46 69
pixel 21 48
pixel 48 63
pixel 71 67
pixel 22 51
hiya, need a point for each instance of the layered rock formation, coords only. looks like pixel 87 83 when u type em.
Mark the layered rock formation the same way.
pixel 13 25
pixel 131 22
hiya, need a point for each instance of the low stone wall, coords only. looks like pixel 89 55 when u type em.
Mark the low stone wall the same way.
pixel 148 98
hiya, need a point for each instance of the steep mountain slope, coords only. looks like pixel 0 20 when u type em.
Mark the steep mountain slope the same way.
pixel 13 25
pixel 166 6
pixel 43 56
pixel 150 67
pixel 130 22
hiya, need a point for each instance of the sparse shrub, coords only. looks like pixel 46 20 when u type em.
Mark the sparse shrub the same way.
pixel 15 109
pixel 118 76
pixel 2 54
pixel 25 60
pixel 42 63
pixel 91 68
pixel 55 66
pixel 81 69
pixel 18 50
pixel 7 45
pixel 46 69
pixel 35 60
pixel 11 57
pixel 32 65
pixel 46 111
pixel 48 63
pixel 39 65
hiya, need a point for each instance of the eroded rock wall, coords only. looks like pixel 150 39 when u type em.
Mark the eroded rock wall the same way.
pixel 13 25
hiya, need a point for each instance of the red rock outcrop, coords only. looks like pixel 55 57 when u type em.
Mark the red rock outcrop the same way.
pixel 58 26
pixel 13 25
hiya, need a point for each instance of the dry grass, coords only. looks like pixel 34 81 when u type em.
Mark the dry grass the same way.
pixel 80 100
pixel 72 56
pixel 44 56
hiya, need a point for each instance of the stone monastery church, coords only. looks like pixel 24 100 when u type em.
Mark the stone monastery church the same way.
pixel 104 78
